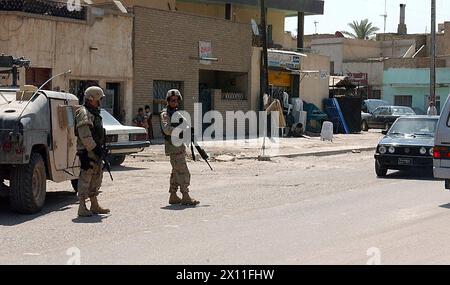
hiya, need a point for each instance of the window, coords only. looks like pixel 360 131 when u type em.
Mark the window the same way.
pixel 331 67
pixel 376 94
pixel 160 89
pixel 380 111
pixel 403 100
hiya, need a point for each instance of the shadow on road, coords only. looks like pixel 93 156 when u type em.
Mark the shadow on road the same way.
pixel 181 207
pixel 411 175
pixel 125 168
pixel 447 206
pixel 90 220
pixel 55 202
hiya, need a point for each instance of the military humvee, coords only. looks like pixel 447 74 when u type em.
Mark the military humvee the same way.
pixel 37 143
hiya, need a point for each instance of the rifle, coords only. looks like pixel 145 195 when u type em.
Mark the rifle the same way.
pixel 105 153
pixel 200 150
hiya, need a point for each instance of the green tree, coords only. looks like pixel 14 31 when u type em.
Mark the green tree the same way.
pixel 361 30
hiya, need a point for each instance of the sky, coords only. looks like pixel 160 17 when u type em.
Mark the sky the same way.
pixel 338 13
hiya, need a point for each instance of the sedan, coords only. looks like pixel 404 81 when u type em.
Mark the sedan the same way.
pixel 384 116
pixel 123 140
pixel 407 145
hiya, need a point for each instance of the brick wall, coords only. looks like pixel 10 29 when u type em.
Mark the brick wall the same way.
pixel 418 62
pixel 166 48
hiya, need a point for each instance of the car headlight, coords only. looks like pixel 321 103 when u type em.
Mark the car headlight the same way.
pixel 382 149
pixel 391 149
pixel 423 150
pixel 431 151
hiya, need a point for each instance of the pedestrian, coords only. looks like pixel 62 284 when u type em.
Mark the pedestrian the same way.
pixel 432 111
pixel 148 116
pixel 140 120
pixel 180 176
pixel 91 138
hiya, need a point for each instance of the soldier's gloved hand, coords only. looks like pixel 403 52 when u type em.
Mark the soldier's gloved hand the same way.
pixel 98 150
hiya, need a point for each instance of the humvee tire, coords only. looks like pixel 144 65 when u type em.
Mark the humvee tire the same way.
pixel 116 160
pixel 28 186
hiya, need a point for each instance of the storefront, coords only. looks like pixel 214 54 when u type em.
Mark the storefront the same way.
pixel 284 75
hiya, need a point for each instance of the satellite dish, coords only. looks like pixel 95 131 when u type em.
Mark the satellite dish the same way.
pixel 255 28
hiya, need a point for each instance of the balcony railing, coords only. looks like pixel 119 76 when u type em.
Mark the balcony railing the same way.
pixel 43 7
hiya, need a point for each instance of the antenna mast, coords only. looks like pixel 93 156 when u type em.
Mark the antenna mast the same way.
pixel 385 15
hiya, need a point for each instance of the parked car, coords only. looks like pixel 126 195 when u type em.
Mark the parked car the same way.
pixel 408 144
pixel 367 108
pixel 123 140
pixel 369 105
pixel 383 117
pixel 441 155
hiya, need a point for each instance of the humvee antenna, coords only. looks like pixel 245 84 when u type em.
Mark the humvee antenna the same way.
pixel 40 88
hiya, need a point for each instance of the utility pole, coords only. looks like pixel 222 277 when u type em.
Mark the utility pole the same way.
pixel 433 53
pixel 265 60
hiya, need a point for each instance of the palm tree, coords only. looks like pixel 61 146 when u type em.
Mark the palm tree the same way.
pixel 361 30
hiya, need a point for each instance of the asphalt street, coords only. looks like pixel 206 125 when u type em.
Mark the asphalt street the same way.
pixel 306 210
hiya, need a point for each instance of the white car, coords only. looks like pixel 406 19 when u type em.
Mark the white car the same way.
pixel 123 140
pixel 441 150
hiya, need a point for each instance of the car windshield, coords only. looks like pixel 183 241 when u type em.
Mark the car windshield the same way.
pixel 108 119
pixel 416 126
pixel 373 104
pixel 402 111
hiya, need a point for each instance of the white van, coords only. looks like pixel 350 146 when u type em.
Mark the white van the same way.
pixel 441 151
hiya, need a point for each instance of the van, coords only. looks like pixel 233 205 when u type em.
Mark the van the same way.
pixel 441 150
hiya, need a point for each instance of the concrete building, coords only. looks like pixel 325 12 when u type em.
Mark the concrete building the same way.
pixel 411 87
pixel 96 47
pixel 207 49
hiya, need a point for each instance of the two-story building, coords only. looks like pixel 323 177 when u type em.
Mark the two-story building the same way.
pixel 95 44
pixel 210 50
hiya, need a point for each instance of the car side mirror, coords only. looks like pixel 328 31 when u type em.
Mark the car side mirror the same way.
pixel 384 132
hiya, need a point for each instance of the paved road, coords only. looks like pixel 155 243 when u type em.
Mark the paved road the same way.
pixel 327 210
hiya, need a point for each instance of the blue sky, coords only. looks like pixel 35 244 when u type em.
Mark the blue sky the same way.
pixel 338 13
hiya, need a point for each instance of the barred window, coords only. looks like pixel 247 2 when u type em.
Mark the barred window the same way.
pixel 160 89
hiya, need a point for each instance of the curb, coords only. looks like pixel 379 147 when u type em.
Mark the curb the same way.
pixel 319 153
pixel 294 155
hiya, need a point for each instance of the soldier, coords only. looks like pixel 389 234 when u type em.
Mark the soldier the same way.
pixel 180 176
pixel 91 137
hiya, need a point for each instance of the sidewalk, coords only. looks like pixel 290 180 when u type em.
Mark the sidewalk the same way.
pixel 285 147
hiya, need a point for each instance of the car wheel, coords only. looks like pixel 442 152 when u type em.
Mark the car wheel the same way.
pixel 29 186
pixel 364 126
pixel 380 170
pixel 116 160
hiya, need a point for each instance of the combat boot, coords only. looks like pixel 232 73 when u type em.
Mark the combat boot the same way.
pixel 83 210
pixel 96 209
pixel 188 201
pixel 174 199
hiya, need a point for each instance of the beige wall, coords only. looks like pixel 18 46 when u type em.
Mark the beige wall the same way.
pixel 63 44
pixel 241 14
pixel 314 89
pixel 289 42
pixel 168 50
pixel 361 49
pixel 157 4
pixel 374 70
